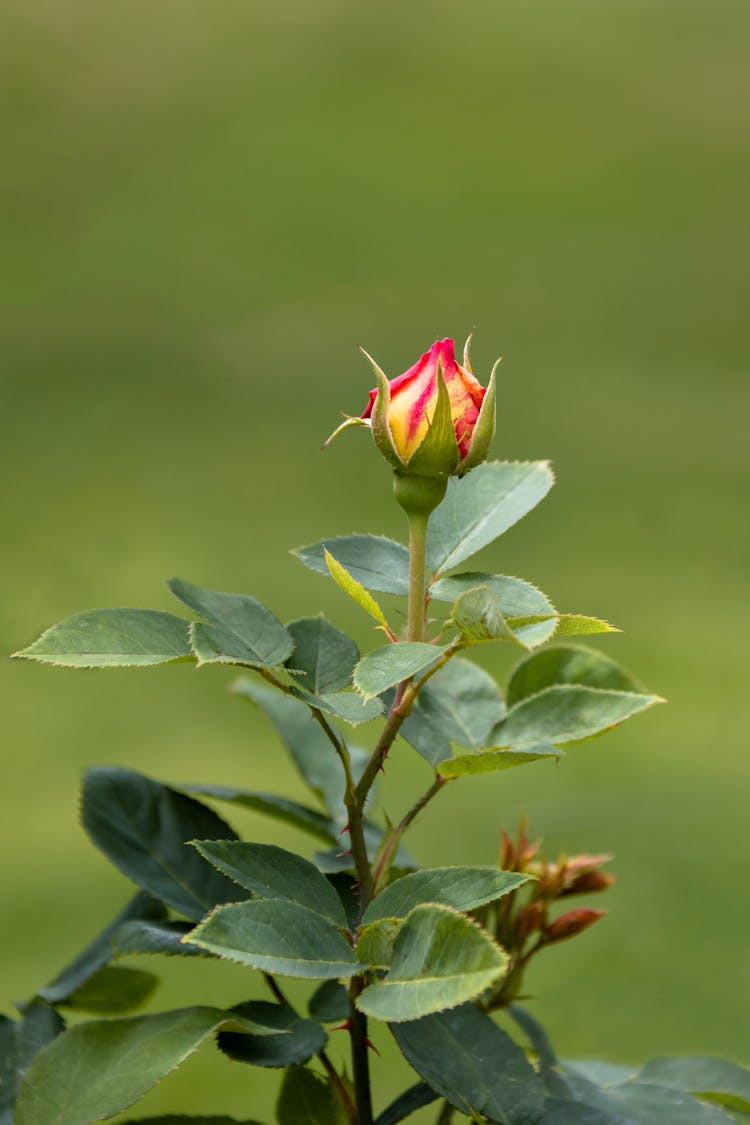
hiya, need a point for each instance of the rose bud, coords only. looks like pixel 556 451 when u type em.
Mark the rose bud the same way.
pixel 572 923
pixel 436 419
pixel 588 882
pixel 529 919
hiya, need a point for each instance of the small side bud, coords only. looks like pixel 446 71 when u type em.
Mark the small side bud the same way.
pixel 572 923
pixel 589 882
pixel 530 919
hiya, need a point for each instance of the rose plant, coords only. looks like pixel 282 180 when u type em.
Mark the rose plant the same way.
pixel 438 954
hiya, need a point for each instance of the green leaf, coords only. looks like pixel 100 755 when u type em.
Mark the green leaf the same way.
pixel 578 625
pixel 477 616
pixel 355 590
pixel 645 1104
pixel 329 1002
pixel 20 1042
pixel 598 1071
pixel 311 751
pixel 237 629
pixel 514 596
pixel 563 1111
pixel 567 664
pixel 465 1057
pixel 113 991
pixel 277 937
pixel 274 873
pixel 7 1069
pixel 462 888
pixel 101 1067
pixel 535 1033
pixel 407 1103
pixel 491 761
pixel 533 630
pixel 481 506
pixel 304 1038
pixel 440 959
pixel 181 1119
pixel 306 1099
pixel 385 667
pixel 299 816
pixel 112 638
pixel 566 713
pixel 372 560
pixel 460 703
pixel 346 705
pixel 155 937
pixel 142 827
pixel 99 952
pixel 713 1079
pixel 375 942
pixel 323 656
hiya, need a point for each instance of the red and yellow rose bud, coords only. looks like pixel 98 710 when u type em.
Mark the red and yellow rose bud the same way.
pixel 572 923
pixel 436 419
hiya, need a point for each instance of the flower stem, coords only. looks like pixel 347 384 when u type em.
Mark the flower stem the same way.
pixel 415 629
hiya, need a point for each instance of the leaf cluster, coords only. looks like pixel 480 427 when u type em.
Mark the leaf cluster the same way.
pixel 431 952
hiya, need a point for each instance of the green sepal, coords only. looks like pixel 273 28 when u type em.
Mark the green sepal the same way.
pixel 437 453
pixel 347 424
pixel 484 429
pixel 381 430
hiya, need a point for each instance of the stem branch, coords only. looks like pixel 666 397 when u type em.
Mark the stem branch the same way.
pixel 390 844
pixel 360 1059
pixel 349 1107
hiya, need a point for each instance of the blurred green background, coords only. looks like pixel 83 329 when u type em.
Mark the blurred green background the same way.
pixel 207 205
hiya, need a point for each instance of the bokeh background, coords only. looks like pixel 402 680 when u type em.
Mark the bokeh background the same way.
pixel 207 206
